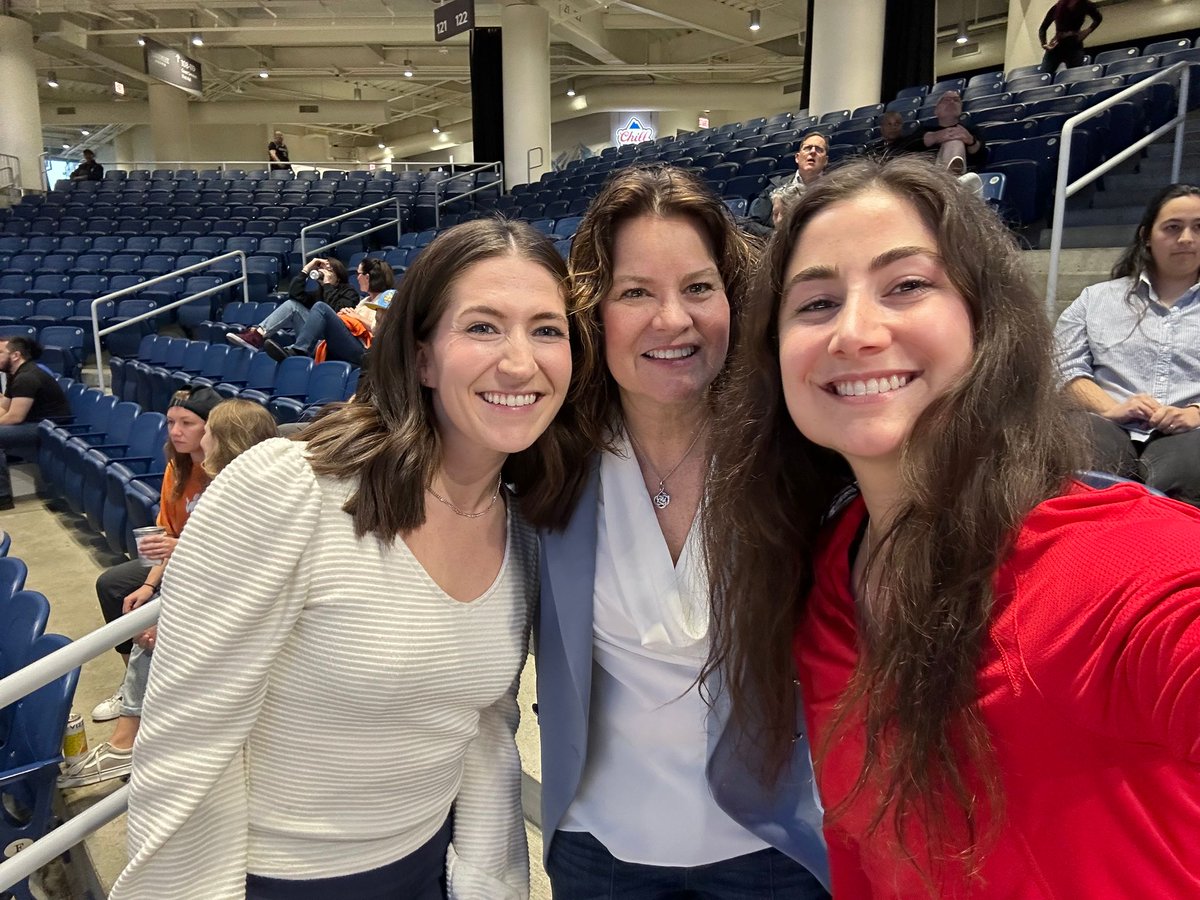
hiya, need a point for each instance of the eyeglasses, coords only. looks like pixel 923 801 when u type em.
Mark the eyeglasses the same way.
pixel 814 148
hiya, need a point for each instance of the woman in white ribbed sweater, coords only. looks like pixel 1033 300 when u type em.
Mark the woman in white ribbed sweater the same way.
pixel 333 704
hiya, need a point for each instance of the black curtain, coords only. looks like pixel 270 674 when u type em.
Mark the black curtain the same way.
pixel 910 35
pixel 487 94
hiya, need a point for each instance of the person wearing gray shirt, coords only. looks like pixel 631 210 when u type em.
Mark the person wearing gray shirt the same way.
pixel 1129 351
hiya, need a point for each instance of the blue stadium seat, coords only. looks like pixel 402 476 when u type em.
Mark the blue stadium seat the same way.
pixel 291 380
pixel 46 286
pixel 1130 66
pixel 917 91
pixel 259 377
pixel 138 453
pixel 14 285
pixel 1025 82
pixel 13 310
pixel 1079 73
pixel 326 383
pixel 31 757
pixel 1045 92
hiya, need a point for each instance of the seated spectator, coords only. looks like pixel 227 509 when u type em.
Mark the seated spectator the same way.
pixel 811 160
pixel 891 140
pixel 89 169
pixel 783 199
pixel 1130 350
pixel 956 146
pixel 30 395
pixel 374 276
pixel 345 334
pixel 182 484
pixel 232 427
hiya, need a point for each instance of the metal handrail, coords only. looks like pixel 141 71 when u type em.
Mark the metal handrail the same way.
pixel 304 253
pixel 40 673
pixel 437 189
pixel 15 168
pixel 529 165
pixel 98 332
pixel 1062 190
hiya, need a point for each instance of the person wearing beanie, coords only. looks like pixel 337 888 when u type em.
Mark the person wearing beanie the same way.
pixel 126 586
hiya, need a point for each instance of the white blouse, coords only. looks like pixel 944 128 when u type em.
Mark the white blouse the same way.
pixel 644 794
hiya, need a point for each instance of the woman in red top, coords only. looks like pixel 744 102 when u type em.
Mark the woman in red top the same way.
pixel 999 662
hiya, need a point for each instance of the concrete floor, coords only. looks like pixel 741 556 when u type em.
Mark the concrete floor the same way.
pixel 64 557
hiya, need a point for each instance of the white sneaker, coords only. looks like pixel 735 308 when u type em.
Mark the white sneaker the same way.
pixel 972 182
pixel 98 765
pixel 108 709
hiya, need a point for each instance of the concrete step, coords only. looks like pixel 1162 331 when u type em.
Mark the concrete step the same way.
pixel 1076 270
pixel 1141 186
pixel 1115 215
pixel 1189 168
pixel 1165 149
pixel 1089 236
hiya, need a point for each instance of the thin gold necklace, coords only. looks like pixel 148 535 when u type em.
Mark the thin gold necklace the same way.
pixel 468 515
pixel 662 498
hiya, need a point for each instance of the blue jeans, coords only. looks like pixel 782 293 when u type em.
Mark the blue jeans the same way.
pixel 290 315
pixel 133 688
pixel 20 439
pixel 581 868
pixel 324 325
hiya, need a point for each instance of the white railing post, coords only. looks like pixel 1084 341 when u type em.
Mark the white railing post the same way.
pixel 99 332
pixel 1063 190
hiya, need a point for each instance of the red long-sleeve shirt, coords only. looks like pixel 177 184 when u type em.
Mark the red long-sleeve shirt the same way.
pixel 1089 687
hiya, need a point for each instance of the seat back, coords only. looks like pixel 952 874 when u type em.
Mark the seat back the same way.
pixel 327 381
pixel 23 618
pixel 291 376
pixel 13 572
pixel 148 434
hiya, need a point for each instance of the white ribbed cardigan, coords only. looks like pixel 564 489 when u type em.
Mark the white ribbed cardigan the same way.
pixel 317 703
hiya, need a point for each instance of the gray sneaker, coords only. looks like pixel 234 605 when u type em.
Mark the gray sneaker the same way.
pixel 108 709
pixel 98 765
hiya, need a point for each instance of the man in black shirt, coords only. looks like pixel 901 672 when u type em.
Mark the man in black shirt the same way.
pixel 30 395
pixel 278 152
pixel 89 169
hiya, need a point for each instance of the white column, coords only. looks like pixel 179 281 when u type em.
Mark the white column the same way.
pixel 123 148
pixel 21 134
pixel 847 54
pixel 1021 44
pixel 525 59
pixel 170 124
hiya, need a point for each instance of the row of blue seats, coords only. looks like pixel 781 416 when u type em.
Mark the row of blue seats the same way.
pixel 114 174
pixel 277 252
pixel 31 730
pixel 64 190
pixel 288 388
pixel 64 347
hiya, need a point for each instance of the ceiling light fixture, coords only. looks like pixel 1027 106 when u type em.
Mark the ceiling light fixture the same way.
pixel 382 146
pixel 197 40
pixel 963 37
pixel 51 79
pixel 84 132
pixel 141 41
pixel 66 146
pixel 437 128
pixel 264 72
pixel 755 19
pixel 408 69
pixel 571 88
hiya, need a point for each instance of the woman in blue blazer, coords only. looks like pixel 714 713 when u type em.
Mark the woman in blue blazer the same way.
pixel 646 793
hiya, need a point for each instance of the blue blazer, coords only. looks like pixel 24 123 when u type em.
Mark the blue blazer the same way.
pixel 786 816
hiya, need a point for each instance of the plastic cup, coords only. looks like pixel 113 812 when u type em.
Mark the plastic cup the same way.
pixel 138 534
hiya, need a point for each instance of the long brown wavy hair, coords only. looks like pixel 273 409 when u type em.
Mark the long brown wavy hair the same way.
pixel 385 436
pixel 997 443
pixel 235 425
pixel 655 190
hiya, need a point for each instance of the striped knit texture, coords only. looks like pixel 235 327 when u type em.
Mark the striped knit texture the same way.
pixel 317 703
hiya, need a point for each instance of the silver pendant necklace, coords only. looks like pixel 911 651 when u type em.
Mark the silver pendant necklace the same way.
pixel 662 497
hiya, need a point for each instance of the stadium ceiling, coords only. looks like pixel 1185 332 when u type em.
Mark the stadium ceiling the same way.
pixel 359 49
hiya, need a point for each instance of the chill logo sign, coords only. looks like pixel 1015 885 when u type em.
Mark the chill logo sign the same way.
pixel 633 131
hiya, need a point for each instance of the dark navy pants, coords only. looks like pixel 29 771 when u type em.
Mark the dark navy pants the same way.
pixel 581 868
pixel 419 876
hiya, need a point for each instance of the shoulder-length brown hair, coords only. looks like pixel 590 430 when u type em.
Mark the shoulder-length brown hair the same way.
pixel 980 457
pixel 385 436
pixel 656 190
pixel 234 426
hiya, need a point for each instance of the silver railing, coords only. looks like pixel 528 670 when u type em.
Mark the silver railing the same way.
pixel 305 253
pixel 12 165
pixel 1063 190
pixel 99 332
pixel 438 189
pixel 530 165
pixel 38 674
